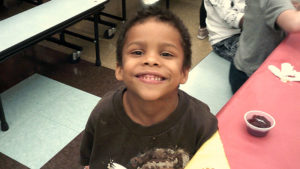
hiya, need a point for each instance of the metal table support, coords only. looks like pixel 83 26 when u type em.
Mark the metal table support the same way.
pixel 35 2
pixel 167 4
pixel 122 18
pixel 4 125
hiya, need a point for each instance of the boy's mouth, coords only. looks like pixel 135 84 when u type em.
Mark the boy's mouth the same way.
pixel 150 77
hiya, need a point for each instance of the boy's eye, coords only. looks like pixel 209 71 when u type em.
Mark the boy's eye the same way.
pixel 166 54
pixel 137 52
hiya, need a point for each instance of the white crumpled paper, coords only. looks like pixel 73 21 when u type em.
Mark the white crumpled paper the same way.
pixel 287 72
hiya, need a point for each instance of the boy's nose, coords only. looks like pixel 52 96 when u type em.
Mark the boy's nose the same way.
pixel 151 59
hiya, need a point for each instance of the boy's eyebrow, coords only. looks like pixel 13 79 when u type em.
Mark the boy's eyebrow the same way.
pixel 170 45
pixel 135 43
pixel 142 43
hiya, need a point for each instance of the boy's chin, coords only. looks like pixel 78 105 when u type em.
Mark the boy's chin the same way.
pixel 152 96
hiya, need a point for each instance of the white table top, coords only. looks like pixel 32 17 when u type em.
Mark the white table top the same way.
pixel 22 26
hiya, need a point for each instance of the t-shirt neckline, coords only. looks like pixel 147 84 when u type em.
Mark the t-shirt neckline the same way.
pixel 155 129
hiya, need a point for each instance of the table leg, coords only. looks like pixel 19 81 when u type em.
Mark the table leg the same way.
pixel 123 10
pixel 96 40
pixel 4 125
pixel 167 4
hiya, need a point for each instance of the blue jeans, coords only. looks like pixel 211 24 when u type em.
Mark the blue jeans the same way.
pixel 227 47
pixel 236 78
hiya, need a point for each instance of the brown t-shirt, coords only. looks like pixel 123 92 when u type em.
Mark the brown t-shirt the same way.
pixel 111 136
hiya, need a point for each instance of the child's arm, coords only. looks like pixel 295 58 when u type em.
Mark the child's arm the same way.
pixel 87 141
pixel 289 21
pixel 230 14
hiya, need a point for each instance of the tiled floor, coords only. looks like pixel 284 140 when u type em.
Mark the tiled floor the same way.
pixel 208 81
pixel 43 115
pixel 85 76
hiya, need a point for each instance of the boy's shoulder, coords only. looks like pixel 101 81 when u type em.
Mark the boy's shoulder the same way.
pixel 106 105
pixel 196 106
pixel 199 117
pixel 191 99
pixel 112 95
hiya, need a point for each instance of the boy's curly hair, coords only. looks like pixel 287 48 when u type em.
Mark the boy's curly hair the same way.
pixel 165 16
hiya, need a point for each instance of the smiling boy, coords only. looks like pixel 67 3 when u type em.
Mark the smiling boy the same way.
pixel 152 70
pixel 149 114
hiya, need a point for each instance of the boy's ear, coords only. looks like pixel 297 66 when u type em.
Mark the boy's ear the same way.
pixel 119 73
pixel 185 75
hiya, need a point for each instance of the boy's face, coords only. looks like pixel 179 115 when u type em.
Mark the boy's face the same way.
pixel 152 60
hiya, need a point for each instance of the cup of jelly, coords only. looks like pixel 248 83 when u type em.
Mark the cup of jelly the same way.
pixel 258 123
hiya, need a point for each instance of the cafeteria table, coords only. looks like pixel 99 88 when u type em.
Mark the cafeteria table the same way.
pixel 34 25
pixel 41 22
pixel 264 91
pixel 232 146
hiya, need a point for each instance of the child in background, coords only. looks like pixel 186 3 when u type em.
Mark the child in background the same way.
pixel 149 118
pixel 266 23
pixel 224 23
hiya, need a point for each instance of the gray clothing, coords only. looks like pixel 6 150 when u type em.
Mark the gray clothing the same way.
pixel 261 34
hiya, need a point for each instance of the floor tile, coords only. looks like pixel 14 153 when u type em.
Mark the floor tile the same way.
pixel 44 115
pixel 208 81
pixel 71 109
pixel 35 141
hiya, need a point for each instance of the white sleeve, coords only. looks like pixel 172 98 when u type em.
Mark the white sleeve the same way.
pixel 230 11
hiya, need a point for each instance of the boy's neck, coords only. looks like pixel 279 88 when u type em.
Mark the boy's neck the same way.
pixel 147 113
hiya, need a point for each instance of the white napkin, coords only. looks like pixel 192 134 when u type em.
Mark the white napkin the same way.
pixel 287 72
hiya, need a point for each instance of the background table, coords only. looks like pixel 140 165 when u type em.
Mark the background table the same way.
pixel 264 91
pixel 36 24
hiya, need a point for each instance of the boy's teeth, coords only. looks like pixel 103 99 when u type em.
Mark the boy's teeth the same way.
pixel 149 77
